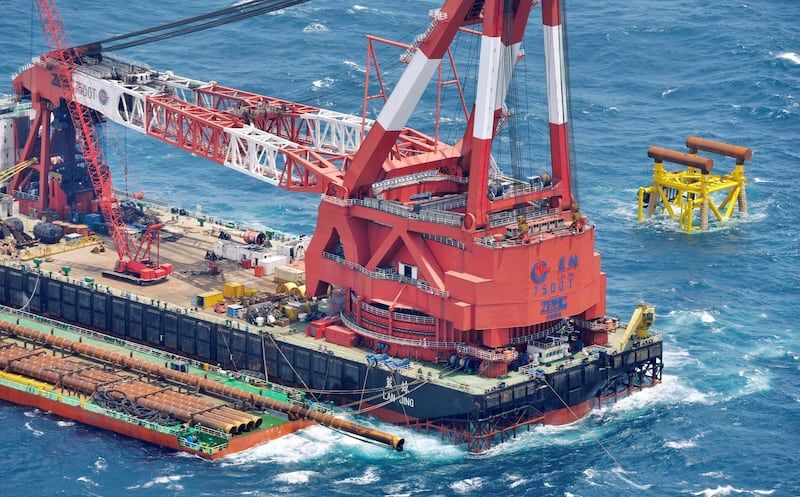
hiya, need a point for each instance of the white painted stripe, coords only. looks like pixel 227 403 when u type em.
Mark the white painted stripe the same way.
pixel 554 64
pixel 409 89
pixel 487 91
pixel 507 65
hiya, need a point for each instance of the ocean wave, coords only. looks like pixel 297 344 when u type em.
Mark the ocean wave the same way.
pixel 514 480
pixel 626 476
pixel 467 485
pixel 296 477
pixel 370 476
pixel 730 490
pixel 790 56
pixel 667 94
pixel 418 445
pixel 684 444
pixel 325 82
pixel 427 447
pixel 681 444
pixel 290 449
pixel 88 481
pixel 672 390
pixel 679 357
pixel 757 380
pixel 607 478
pixel 354 65
pixel 600 422
pixel 34 431
pixel 316 27
pixel 169 482
pixel 690 318
pixel 319 442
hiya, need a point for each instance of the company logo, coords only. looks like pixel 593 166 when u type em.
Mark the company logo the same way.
pixel 539 271
pixel 85 91
pixel 103 96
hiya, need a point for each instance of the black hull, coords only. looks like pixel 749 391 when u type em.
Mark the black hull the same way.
pixel 400 396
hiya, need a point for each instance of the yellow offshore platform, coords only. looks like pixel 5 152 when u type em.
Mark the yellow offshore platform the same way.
pixel 679 193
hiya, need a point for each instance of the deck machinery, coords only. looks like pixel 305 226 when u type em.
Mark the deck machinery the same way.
pixel 427 249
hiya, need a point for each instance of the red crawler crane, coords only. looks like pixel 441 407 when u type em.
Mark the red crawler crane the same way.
pixel 131 266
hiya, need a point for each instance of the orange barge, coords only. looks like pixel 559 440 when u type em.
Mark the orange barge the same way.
pixel 149 395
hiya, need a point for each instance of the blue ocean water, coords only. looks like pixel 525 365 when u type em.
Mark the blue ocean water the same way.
pixel 725 419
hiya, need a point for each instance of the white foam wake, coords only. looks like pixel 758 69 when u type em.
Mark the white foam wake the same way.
pixel 790 56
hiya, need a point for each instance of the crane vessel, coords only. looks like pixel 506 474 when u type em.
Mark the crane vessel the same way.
pixel 460 299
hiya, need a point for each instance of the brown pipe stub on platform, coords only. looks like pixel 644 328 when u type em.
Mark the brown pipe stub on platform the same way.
pixel 741 154
pixel 666 155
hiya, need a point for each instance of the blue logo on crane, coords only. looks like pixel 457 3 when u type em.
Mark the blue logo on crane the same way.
pixel 539 271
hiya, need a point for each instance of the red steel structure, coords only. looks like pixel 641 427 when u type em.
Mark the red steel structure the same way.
pixel 61 60
pixel 428 248
pixel 427 286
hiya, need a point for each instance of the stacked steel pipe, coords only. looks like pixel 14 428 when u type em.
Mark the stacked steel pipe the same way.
pixel 89 379
pixel 204 384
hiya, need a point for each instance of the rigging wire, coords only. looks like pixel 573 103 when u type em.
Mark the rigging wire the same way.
pixel 35 287
pixel 219 18
pixel 188 20
pixel 289 363
pixel 513 110
pixel 417 384
pixel 470 44
pixel 355 85
pixel 575 415
pixel 509 104
pixel 116 147
pixel 230 352
pixel 364 386
pixel 573 167
pixel 528 114
pixel 403 406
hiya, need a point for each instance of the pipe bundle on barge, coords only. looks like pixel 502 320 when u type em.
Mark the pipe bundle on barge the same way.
pixel 110 385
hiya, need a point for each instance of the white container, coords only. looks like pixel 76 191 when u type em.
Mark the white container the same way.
pixel 270 262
